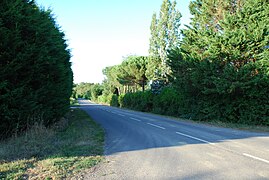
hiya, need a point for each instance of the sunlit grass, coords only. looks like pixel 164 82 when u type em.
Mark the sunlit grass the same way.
pixel 73 145
pixel 73 102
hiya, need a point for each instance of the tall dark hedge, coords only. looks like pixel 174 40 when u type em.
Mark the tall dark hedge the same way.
pixel 35 69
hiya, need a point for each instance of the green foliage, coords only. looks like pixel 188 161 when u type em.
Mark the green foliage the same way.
pixel 126 77
pixel 141 101
pixel 111 81
pixel 89 91
pixel 114 101
pixel 164 36
pixel 120 100
pixel 36 76
pixel 219 71
pixel 168 102
pixel 82 90
pixel 222 67
pixel 96 91
pixel 132 71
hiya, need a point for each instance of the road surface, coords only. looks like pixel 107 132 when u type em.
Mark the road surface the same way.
pixel 145 146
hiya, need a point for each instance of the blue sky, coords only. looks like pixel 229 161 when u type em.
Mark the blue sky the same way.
pixel 101 32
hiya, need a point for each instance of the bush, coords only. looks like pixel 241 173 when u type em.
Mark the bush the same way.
pixel 114 101
pixel 236 95
pixel 120 100
pixel 168 102
pixel 141 101
pixel 102 99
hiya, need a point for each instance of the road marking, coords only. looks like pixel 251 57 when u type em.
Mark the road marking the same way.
pixel 148 118
pixel 257 158
pixel 127 113
pixel 192 137
pixel 120 114
pixel 135 119
pixel 156 126
pixel 204 141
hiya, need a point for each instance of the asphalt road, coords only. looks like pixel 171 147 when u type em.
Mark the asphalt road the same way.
pixel 145 146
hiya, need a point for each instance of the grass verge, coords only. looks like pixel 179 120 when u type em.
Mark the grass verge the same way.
pixel 60 152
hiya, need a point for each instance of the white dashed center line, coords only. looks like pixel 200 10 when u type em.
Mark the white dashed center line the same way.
pixel 192 137
pixel 156 126
pixel 135 119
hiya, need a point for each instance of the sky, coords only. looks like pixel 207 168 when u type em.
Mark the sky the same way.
pixel 101 32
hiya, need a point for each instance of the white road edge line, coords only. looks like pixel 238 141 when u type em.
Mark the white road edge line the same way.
pixel 192 137
pixel 135 119
pixel 156 126
pixel 120 114
pixel 257 158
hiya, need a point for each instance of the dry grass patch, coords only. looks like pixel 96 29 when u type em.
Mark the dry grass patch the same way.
pixel 71 146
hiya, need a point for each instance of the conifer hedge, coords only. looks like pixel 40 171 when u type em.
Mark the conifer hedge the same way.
pixel 223 71
pixel 36 76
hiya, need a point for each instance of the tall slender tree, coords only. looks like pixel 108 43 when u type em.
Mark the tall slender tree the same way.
pixel 165 35
pixel 153 47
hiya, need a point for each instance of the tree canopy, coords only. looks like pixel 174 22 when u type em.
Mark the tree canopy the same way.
pixel 129 74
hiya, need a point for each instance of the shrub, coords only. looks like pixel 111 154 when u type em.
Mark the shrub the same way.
pixel 120 100
pixel 114 101
pixel 168 102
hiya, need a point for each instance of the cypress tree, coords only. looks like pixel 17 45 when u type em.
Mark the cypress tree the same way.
pixel 36 76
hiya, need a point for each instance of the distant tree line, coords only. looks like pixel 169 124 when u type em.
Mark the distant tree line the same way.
pixel 36 76
pixel 217 69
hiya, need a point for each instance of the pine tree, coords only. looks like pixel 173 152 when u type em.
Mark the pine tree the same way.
pixel 133 71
